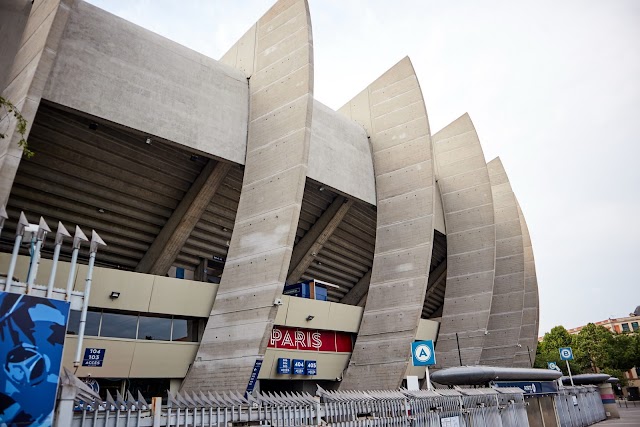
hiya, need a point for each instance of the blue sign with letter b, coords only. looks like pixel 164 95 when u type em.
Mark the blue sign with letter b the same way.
pixel 566 353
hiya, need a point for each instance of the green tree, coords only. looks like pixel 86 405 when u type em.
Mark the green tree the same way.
pixel 549 350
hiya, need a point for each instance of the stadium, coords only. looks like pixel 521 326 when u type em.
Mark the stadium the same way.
pixel 247 224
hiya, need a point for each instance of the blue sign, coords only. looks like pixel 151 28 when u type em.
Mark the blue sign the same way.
pixel 531 387
pixel 254 376
pixel 93 357
pixel 32 331
pixel 566 353
pixel 423 353
pixel 298 367
pixel 553 366
pixel 310 367
pixel 284 366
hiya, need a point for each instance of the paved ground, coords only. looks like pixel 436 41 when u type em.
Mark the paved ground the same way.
pixel 629 417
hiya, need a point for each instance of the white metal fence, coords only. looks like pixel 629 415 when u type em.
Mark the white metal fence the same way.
pixel 579 406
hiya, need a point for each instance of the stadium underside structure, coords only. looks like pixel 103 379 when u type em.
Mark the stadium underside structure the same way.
pixel 229 173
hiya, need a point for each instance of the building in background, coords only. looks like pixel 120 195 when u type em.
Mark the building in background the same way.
pixel 216 182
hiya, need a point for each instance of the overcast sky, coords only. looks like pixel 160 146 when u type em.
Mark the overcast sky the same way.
pixel 553 88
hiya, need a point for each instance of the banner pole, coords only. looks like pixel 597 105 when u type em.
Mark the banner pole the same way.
pixel 570 376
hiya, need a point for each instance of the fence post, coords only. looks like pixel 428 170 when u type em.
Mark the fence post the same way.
pixel 64 412
pixel 156 409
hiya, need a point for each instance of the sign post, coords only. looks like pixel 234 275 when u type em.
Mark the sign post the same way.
pixel 423 354
pixel 566 354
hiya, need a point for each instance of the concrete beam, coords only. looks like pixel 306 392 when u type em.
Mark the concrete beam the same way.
pixel 359 291
pixel 166 246
pixel 312 242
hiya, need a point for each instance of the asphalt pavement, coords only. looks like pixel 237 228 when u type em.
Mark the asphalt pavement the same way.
pixel 629 417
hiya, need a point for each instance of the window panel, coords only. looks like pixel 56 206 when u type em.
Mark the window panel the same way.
pixel 154 328
pixel 118 325
pixel 91 326
pixel 185 330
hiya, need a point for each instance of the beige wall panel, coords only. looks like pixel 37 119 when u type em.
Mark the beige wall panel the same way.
pixel 259 256
pixel 174 362
pixel 400 139
pixel 44 270
pixel 281 316
pixel 344 317
pixel 117 357
pixel 299 310
pixel 182 297
pixel 531 311
pixel 403 207
pixel 135 288
pixel 468 205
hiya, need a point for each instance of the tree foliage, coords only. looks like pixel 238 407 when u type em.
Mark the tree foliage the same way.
pixel 595 349
pixel 21 126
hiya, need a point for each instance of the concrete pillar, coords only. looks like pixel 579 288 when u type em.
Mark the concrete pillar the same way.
pixel 467 201
pixel 27 77
pixel 277 56
pixel 392 111
pixel 505 319
pixel 609 400
pixel 530 310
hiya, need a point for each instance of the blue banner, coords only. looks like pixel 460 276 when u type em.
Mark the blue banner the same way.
pixel 531 387
pixel 254 376
pixel 32 331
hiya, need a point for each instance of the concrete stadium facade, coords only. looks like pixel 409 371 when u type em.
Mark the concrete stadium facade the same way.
pixel 231 171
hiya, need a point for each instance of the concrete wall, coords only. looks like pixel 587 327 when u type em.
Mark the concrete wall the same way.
pixel 278 57
pixel 392 111
pixel 530 309
pixel 505 319
pixel 467 201
pixel 26 79
pixel 331 316
pixel 340 155
pixel 113 69
pixel 13 18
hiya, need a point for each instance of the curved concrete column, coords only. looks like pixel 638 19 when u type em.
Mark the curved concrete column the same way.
pixel 392 110
pixel 277 55
pixel 531 310
pixel 505 320
pixel 463 179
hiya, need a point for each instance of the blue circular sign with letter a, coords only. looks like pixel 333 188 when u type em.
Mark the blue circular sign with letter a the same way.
pixel 422 353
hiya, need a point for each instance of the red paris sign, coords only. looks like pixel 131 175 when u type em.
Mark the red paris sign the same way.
pixel 310 340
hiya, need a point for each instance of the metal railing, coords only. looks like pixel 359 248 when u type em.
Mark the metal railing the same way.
pixel 79 406
pixel 579 406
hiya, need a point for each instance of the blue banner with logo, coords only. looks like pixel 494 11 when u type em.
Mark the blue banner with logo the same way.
pixel 531 387
pixel 32 331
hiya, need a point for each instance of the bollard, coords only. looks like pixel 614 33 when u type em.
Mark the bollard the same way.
pixel 608 400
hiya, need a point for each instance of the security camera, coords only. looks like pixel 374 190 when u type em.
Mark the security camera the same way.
pixel 277 301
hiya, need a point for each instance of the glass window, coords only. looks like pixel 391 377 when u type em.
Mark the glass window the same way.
pixel 154 328
pixel 118 325
pixel 625 327
pixel 634 326
pixel 185 330
pixel 91 327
